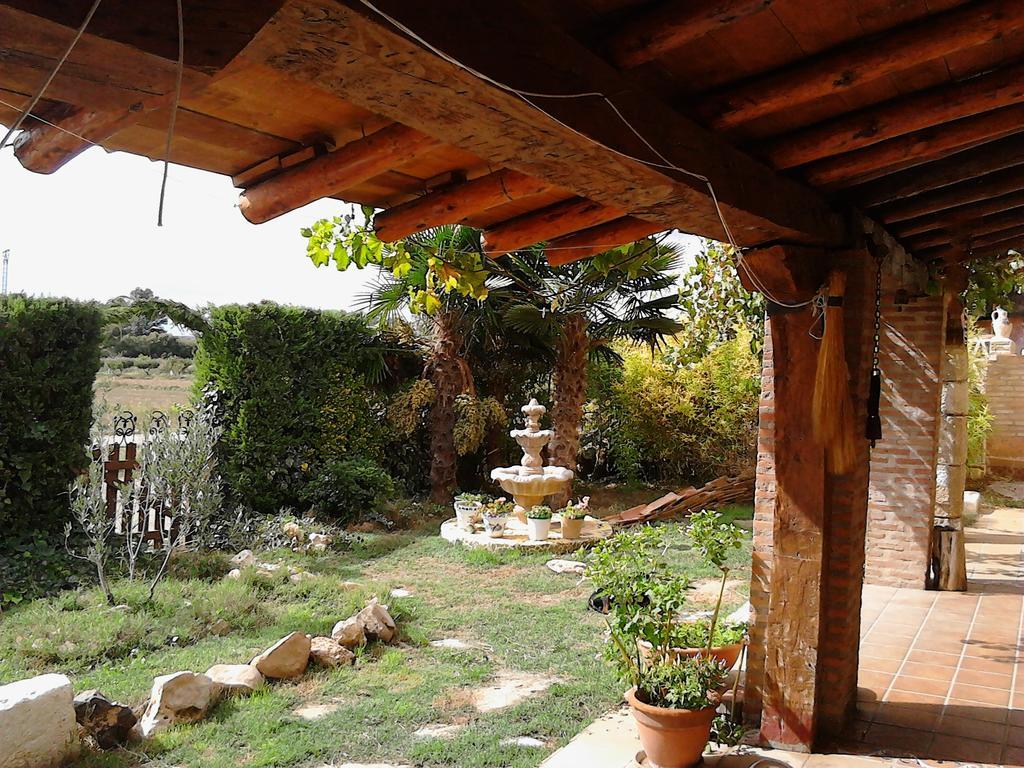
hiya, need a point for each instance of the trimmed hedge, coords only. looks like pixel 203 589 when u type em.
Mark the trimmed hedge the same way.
pixel 49 353
pixel 295 396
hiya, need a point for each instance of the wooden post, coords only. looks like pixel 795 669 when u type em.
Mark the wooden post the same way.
pixel 798 541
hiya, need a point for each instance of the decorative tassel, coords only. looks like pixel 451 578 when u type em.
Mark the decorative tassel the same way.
pixel 832 407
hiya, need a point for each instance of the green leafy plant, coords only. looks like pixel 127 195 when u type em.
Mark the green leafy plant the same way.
pixel 645 598
pixel 577 510
pixel 499 507
pixel 539 513
pixel 470 498
pixel 694 634
pixel 347 489
pixel 713 540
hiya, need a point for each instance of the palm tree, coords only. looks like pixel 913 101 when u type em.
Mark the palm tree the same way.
pixel 583 308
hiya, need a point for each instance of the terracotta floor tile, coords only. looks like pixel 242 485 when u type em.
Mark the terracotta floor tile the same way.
pixel 1013 756
pixel 928 671
pixel 941 644
pixel 899 740
pixel 981 695
pixel 1018 697
pixel 969 728
pixel 1015 736
pixel 884 651
pixel 875 680
pixel 945 747
pixel 987 665
pixel 986 679
pixel 920 686
pixel 1016 717
pixel 923 718
pixel 972 710
pixel 917 698
pixel 871 664
pixel 933 657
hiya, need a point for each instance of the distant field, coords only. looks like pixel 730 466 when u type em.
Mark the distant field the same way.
pixel 144 394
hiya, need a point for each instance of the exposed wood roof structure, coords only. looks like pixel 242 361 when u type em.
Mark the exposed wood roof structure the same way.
pixel 798 112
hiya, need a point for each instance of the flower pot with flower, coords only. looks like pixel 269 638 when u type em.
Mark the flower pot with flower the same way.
pixel 538 523
pixel 572 517
pixel 496 514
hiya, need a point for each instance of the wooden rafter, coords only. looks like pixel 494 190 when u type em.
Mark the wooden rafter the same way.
pixel 671 25
pixel 970 164
pixel 915 148
pixel 959 214
pixel 456 204
pixel 595 240
pixel 865 60
pixel 908 113
pixel 333 173
pixel 976 228
pixel 363 59
pixel 964 193
pixel 546 224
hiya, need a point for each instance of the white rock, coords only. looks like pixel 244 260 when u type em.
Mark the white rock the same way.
pixel 244 559
pixel 437 731
pixel 327 652
pixel 181 697
pixel 292 531
pixel 268 567
pixel 349 633
pixel 234 679
pixel 319 542
pixel 400 592
pixel 740 616
pixel 566 566
pixel 452 643
pixel 316 711
pixel 234 573
pixel 37 723
pixel 300 576
pixel 286 658
pixel 377 622
pixel 349 585
pixel 523 741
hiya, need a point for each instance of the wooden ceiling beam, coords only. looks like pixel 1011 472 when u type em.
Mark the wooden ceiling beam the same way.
pixel 979 227
pixel 673 24
pixel 456 204
pixel 864 60
pixel 333 173
pixel 957 215
pixel 915 149
pixel 575 143
pixel 903 115
pixel 959 253
pixel 965 193
pixel 595 240
pixel 547 224
pixel 1009 235
pixel 970 164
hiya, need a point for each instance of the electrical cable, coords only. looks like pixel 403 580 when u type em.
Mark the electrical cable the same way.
pixel 666 164
pixel 53 73
pixel 174 114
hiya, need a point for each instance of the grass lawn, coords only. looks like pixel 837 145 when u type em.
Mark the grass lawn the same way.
pixel 144 394
pixel 517 615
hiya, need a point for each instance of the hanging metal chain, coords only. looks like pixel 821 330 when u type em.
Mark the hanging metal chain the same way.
pixel 873 425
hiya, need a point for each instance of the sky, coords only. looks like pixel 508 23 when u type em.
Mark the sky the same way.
pixel 89 231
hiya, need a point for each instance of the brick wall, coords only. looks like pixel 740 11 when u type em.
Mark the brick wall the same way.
pixel 1004 388
pixel 902 488
pixel 764 524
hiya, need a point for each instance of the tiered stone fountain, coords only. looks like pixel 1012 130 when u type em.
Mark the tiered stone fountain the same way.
pixel 529 483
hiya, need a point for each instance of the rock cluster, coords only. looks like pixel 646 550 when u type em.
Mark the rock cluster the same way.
pixel 48 722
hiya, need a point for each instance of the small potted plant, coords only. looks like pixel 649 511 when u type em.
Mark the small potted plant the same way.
pixel 673 698
pixel 538 522
pixel 467 509
pixel 495 515
pixel 572 518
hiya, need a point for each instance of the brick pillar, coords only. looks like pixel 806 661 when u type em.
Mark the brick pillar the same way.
pixel 903 464
pixel 808 536
pixel 1004 390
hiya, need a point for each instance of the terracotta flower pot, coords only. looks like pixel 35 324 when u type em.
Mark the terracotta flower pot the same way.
pixel 672 738
pixel 572 527
pixel 726 653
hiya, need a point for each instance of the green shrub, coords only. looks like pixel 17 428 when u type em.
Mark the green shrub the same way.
pixel 295 394
pixel 661 421
pixel 49 354
pixel 161 345
pixel 347 489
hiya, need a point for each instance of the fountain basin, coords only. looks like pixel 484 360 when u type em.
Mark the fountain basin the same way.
pixel 530 486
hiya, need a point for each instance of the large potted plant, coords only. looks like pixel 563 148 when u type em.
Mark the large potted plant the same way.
pixel 673 698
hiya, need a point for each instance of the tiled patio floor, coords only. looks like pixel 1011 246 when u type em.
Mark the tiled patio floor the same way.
pixel 942 673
